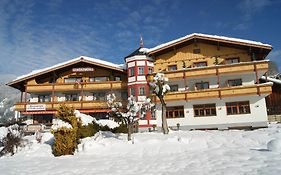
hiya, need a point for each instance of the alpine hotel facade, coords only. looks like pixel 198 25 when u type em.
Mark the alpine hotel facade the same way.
pixel 214 84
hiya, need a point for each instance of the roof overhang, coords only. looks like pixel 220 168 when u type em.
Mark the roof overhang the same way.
pixel 218 39
pixel 18 82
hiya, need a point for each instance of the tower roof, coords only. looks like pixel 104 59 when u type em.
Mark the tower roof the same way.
pixel 138 51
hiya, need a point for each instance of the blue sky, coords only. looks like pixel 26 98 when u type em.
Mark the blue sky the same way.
pixel 36 34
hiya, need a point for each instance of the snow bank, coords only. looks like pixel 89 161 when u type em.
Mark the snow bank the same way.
pixel 3 132
pixel 86 119
pixel 179 152
pixel 274 145
pixel 110 123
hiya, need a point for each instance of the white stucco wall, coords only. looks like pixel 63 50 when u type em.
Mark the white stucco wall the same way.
pixel 257 106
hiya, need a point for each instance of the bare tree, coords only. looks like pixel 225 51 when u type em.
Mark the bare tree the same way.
pixel 131 114
pixel 160 88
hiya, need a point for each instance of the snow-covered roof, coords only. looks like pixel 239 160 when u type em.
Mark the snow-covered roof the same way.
pixel 63 64
pixel 206 36
pixel 274 80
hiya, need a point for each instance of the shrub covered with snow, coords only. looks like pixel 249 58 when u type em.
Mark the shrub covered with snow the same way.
pixel 66 133
pixel 12 140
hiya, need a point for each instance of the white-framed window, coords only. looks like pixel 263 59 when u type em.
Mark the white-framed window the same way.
pixel 174 88
pixel 73 80
pixel 141 70
pixel 99 96
pixel 141 91
pixel 131 72
pixel 44 98
pixel 71 97
pixel 132 91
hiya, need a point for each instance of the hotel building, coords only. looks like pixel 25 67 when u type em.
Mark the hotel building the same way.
pixel 214 84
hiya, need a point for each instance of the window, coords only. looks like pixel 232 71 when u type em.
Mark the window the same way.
pixel 200 64
pixel 174 88
pixel 175 112
pixel 71 97
pixel 150 70
pixel 73 80
pixel 172 67
pixel 132 91
pixel 235 82
pixel 131 72
pixel 141 70
pixel 141 91
pixel 98 79
pixel 204 110
pixel 241 107
pixel 117 78
pixel 44 98
pixel 196 51
pixel 232 60
pixel 99 96
pixel 124 95
pixel 202 85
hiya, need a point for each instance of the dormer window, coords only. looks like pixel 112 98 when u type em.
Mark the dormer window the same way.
pixel 172 67
pixel 200 64
pixel 232 60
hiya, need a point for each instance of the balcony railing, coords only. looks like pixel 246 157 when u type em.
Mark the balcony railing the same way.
pixel 215 70
pixel 77 86
pixel 53 106
pixel 258 89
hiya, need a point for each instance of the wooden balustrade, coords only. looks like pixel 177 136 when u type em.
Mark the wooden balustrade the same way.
pixel 219 92
pixel 214 70
pixel 74 104
pixel 77 86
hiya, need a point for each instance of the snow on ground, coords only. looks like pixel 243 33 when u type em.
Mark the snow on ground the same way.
pixel 180 152
pixel 105 122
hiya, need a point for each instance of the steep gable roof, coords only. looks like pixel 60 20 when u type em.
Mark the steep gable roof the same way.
pixel 98 62
pixel 208 37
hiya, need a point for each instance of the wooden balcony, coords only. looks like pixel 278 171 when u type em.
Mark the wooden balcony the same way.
pixel 53 106
pixel 214 70
pixel 218 92
pixel 114 85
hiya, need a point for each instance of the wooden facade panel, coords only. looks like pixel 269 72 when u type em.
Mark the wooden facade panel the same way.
pixel 262 65
pixel 73 87
pixel 203 72
pixel 219 92
pixel 174 75
pixel 202 94
pixel 238 91
pixel 75 105
pixel 207 53
pixel 240 68
pixel 175 96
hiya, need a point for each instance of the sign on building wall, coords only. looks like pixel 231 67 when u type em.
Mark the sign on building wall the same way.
pixel 83 69
pixel 36 107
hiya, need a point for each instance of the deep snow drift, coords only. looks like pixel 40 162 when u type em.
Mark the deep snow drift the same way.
pixel 180 152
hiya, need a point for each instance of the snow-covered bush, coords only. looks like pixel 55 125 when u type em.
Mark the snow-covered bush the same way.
pixel 12 140
pixel 65 132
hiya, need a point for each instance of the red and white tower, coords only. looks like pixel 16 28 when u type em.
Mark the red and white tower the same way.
pixel 139 65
